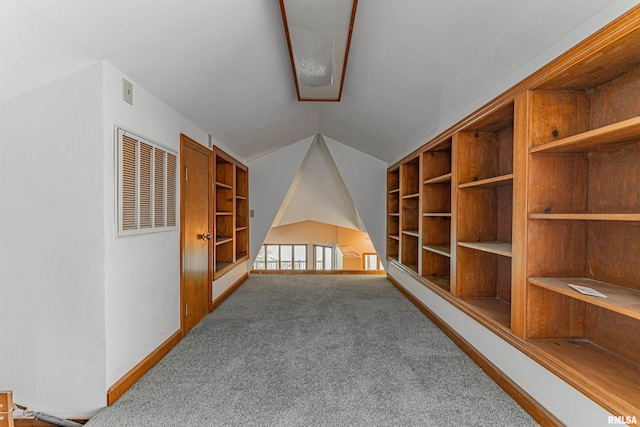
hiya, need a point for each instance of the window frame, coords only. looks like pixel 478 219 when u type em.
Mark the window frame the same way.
pixel 364 261
pixel 324 257
pixel 263 249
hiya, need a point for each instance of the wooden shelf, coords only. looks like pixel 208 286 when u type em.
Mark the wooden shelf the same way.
pixel 498 248
pixel 222 265
pixel 413 267
pixel 586 216
pixel 223 185
pixel 494 309
pixel 443 283
pixel 552 166
pixel 230 212
pixel 497 181
pixel 439 179
pixel 438 249
pixel 619 133
pixel 619 299
pixel 599 372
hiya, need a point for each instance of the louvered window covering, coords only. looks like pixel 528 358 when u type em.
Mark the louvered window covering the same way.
pixel 147 174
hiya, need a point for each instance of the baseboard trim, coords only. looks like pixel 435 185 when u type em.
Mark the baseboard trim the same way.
pixel 223 296
pixel 378 272
pixel 31 422
pixel 524 399
pixel 131 377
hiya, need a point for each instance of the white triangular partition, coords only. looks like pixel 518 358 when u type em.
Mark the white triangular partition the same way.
pixel 270 178
pixel 318 191
pixel 365 178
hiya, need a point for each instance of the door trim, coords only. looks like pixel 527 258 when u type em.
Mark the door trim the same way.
pixel 192 144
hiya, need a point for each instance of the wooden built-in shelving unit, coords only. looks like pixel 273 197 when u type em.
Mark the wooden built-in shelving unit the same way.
pixel 230 212
pixel 537 190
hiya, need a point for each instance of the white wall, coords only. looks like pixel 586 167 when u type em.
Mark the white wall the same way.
pixel 142 279
pixel 52 353
pixel 366 180
pixel 270 177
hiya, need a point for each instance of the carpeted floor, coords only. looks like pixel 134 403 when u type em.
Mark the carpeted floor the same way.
pixel 315 350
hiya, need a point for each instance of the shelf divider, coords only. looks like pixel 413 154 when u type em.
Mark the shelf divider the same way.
pixel 498 248
pixel 619 133
pixel 496 181
pixel 619 299
pixel 439 179
pixel 586 216
pixel 438 249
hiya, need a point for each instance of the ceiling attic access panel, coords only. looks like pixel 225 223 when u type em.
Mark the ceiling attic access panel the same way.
pixel 318 37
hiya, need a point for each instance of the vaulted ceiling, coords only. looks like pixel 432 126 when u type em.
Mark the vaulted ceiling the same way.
pixel 414 65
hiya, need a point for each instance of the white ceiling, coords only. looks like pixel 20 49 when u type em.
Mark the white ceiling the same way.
pixel 224 64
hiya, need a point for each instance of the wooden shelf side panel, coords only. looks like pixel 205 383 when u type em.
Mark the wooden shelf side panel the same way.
pixel 223 171
pixel 557 115
pixel 242 244
pixel 393 248
pixel 410 177
pixel 562 114
pixel 224 254
pixel 614 252
pixel 242 182
pixel 224 227
pixel 600 250
pixel 483 274
pixel 393 203
pixel 224 199
pixel 436 231
pixel 560 316
pixel 242 213
pixel 616 100
pixel 436 164
pixel 393 180
pixel 436 198
pixel 485 214
pixel 435 265
pixel 484 155
pixel 410 251
pixel 410 214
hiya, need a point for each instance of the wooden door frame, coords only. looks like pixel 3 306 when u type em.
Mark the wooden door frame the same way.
pixel 192 144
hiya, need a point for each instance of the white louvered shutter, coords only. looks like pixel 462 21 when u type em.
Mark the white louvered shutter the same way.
pixel 147 174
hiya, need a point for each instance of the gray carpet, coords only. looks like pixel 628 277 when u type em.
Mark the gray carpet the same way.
pixel 315 350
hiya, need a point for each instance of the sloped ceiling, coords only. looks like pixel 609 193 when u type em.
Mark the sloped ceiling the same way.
pixel 224 64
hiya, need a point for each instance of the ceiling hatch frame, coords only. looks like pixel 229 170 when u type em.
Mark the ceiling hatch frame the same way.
pixel 304 98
